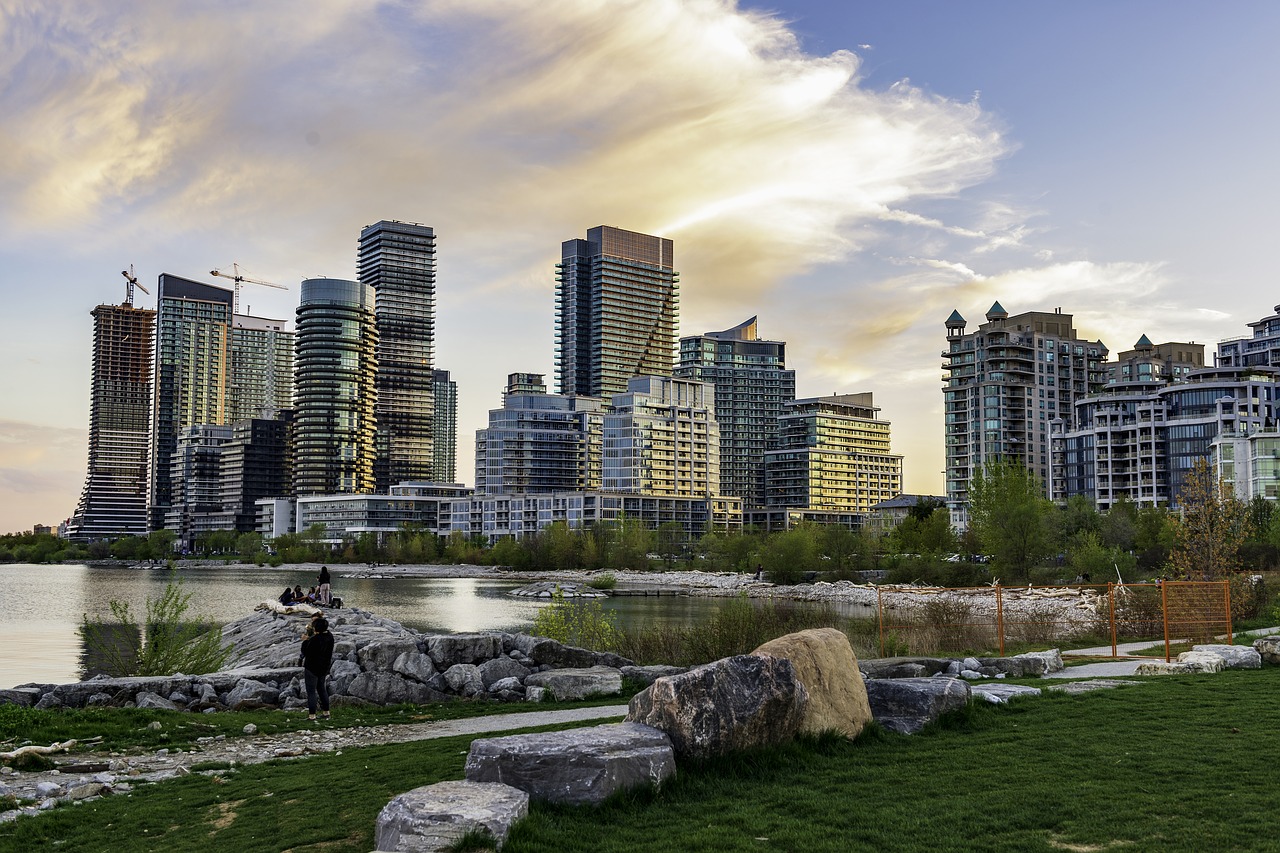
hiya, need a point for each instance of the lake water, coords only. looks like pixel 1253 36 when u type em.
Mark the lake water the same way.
pixel 41 607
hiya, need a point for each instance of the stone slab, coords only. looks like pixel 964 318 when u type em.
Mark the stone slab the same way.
pixel 435 817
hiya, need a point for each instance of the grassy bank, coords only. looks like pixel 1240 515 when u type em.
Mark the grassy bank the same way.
pixel 1180 763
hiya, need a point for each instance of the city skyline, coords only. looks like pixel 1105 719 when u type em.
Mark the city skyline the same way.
pixel 834 171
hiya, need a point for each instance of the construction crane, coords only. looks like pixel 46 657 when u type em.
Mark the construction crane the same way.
pixel 235 276
pixel 133 282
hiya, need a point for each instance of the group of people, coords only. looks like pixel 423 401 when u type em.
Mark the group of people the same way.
pixel 320 595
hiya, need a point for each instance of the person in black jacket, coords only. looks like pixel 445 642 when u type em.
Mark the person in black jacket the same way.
pixel 316 658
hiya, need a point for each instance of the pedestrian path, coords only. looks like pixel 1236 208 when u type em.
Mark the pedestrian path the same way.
pixel 1124 667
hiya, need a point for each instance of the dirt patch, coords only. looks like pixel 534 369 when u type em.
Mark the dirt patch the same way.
pixel 226 816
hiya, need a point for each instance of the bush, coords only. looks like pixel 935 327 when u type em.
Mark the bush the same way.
pixel 604 581
pixel 578 622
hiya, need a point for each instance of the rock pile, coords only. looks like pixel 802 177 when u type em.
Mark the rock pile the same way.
pixel 376 661
pixel 549 589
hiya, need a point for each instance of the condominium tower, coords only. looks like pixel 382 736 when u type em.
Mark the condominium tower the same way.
pixel 616 309
pixel 752 385
pixel 114 500
pixel 334 388
pixel 661 439
pixel 398 261
pixel 444 442
pixel 1004 384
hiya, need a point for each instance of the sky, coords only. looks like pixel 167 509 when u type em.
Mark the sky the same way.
pixel 849 172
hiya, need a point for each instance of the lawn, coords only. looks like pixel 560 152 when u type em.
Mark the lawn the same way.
pixel 1180 763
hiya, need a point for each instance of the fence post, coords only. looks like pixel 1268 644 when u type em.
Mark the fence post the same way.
pixel 1000 616
pixel 880 618
pixel 1226 593
pixel 1164 616
pixel 1111 596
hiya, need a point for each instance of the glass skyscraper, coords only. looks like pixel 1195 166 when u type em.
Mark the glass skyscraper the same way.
pixel 752 386
pixel 334 388
pixel 616 310
pixel 114 500
pixel 398 261
pixel 445 441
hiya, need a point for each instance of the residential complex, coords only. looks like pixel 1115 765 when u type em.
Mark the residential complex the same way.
pixel 1259 349
pixel 661 438
pixel 752 385
pixel 114 499
pixel 1004 384
pixel 616 311
pixel 397 260
pixel 260 378
pixel 334 390
pixel 444 427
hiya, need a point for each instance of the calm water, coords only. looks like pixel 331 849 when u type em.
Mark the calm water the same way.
pixel 41 607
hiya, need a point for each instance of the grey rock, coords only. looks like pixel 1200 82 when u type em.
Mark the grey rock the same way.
pixel 646 675
pixel 1159 667
pixel 731 704
pixel 577 765
pixel 24 696
pixel 1268 648
pixel 500 669
pixel 386 688
pixel 450 649
pixel 953 668
pixel 1052 660
pixel 535 694
pixel 546 652
pixel 1206 662
pixel 566 684
pixel 152 700
pixel 907 705
pixel 999 694
pixel 1236 657
pixel 902 667
pixel 341 674
pixel 179 698
pixel 97 700
pixel 48 701
pixel 436 816
pixel 382 654
pixel 250 693
pixel 970 675
pixel 502 684
pixel 414 665
pixel 970 663
pixel 250 729
pixel 464 679
pixel 48 789
pixel 87 790
pixel 1074 688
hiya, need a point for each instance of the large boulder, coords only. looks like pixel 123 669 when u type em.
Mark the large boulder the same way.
pixel 907 705
pixel 1160 667
pixel 249 694
pixel 1268 648
pixel 998 693
pixel 566 684
pixel 1207 662
pixel 576 765
pixel 464 679
pixel 414 664
pixel 386 688
pixel 435 817
pixel 902 667
pixel 147 699
pixel 646 675
pixel 382 654
pixel 1051 659
pixel 825 664
pixel 22 696
pixel 731 704
pixel 499 669
pixel 447 649
pixel 1236 657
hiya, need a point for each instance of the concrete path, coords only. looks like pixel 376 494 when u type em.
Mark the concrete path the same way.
pixel 1124 667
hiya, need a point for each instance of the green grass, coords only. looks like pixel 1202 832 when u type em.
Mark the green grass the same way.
pixel 123 729
pixel 1180 763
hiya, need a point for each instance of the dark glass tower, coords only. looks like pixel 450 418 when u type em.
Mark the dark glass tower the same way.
pixel 334 395
pixel 445 442
pixel 398 260
pixel 752 385
pixel 616 309
pixel 114 500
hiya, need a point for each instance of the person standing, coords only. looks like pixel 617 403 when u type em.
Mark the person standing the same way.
pixel 326 597
pixel 316 659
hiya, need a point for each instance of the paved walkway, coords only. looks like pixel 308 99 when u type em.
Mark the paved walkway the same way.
pixel 1124 667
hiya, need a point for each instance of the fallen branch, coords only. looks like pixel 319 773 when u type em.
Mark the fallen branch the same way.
pixel 65 746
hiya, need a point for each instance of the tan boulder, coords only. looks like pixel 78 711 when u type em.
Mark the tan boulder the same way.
pixel 825 664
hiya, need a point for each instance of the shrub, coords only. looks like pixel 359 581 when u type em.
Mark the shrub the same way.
pixel 578 622
pixel 604 581
pixel 168 644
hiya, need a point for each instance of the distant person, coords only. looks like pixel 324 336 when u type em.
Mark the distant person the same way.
pixel 286 597
pixel 298 597
pixel 326 592
pixel 316 658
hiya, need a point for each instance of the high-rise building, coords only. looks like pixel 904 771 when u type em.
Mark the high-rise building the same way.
pixel 398 260
pixel 444 444
pixel 193 322
pixel 256 463
pixel 260 382
pixel 833 455
pixel 1259 349
pixel 752 385
pixel 1148 362
pixel 616 311
pixel 334 393
pixel 539 442
pixel 1004 384
pixel 661 438
pixel 195 482
pixel 114 500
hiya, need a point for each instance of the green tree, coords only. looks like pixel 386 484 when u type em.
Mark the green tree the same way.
pixel 787 555
pixel 166 642
pixel 1212 525
pixel 1007 511
pixel 249 546
pixel 671 539
pixel 1119 527
pixel 630 544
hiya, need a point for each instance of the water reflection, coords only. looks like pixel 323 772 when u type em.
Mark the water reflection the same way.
pixel 43 607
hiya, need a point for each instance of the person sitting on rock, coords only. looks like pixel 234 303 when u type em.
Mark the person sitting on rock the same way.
pixel 286 597
pixel 298 597
pixel 316 658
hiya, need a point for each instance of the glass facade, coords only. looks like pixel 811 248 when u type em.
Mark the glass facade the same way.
pixel 334 389
pixel 444 442
pixel 398 260
pixel 616 311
